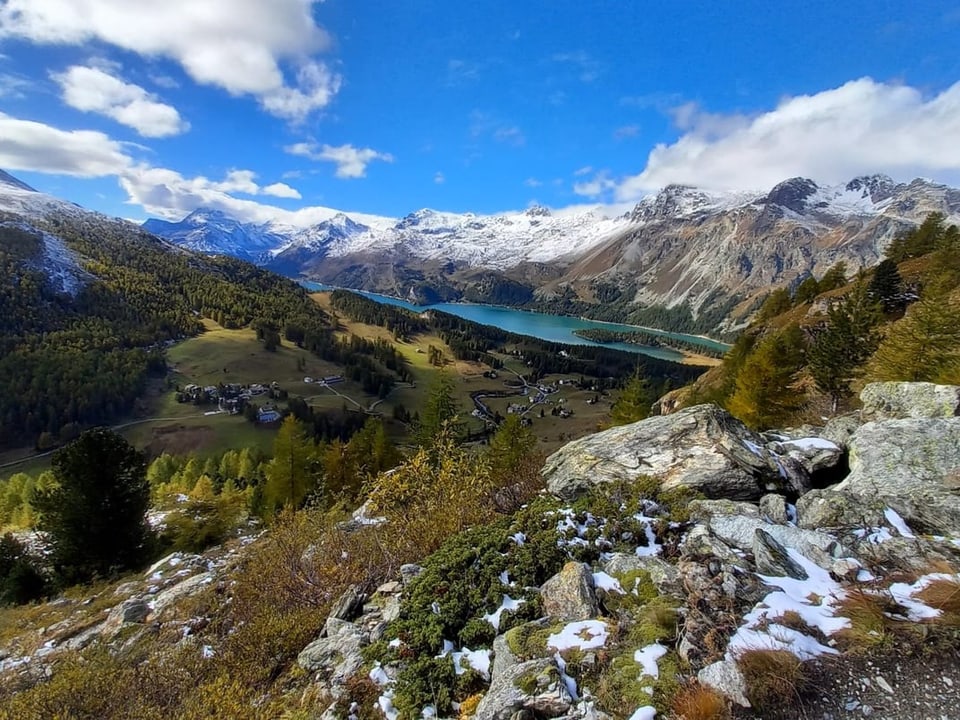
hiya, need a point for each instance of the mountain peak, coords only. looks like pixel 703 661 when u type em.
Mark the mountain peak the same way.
pixel 537 211
pixel 877 187
pixel 792 194
pixel 8 179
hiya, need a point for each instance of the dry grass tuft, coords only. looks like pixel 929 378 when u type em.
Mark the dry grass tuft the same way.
pixel 698 702
pixel 774 678
pixel 943 595
pixel 869 623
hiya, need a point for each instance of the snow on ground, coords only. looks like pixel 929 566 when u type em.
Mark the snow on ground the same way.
pixel 647 658
pixel 508 604
pixel 582 635
pixel 904 593
pixel 647 712
pixel 603 581
pixel 815 600
pixel 897 523
pixel 811 443
pixel 465 658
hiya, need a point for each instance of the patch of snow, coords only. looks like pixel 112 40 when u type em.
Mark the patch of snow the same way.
pixel 583 635
pixel 897 523
pixel 647 712
pixel 603 581
pixel 519 538
pixel 864 576
pixel 814 600
pixel 379 675
pixel 568 682
pixel 647 658
pixel 753 447
pixel 652 548
pixel 508 604
pixel 903 594
pixel 479 660
pixel 207 652
pixel 385 702
pixel 812 443
pixel 505 578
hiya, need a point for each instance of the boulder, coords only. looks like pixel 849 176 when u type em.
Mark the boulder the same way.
pixel 833 508
pixel 841 428
pixel 699 542
pixel 913 466
pixel 348 605
pixel 898 400
pixel 706 509
pixel 813 453
pixel 739 532
pixel 703 448
pixel 569 594
pixel 336 656
pixel 773 508
pixel 662 573
pixel 772 558
pixel 134 610
pixel 182 589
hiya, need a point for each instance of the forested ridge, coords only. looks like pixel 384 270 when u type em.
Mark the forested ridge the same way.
pixel 70 361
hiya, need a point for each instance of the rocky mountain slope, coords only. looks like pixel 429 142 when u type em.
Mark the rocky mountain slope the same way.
pixel 683 245
pixel 688 564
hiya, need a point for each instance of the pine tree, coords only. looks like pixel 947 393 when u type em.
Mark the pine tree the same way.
pixel 95 518
pixel 440 409
pixel 290 474
pixel 634 402
pixel 835 277
pixel 764 395
pixel 850 337
pixel 806 291
pixel 886 286
pixel 925 344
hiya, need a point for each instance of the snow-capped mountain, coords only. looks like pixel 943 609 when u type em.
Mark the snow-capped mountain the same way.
pixel 215 233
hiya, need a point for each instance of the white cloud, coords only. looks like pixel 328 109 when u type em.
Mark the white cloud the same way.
pixel 585 170
pixel 532 182
pixel 12 86
pixel 439 178
pixel 241 46
pixel 586 67
pixel 282 190
pixel 625 132
pixel 351 162
pixel 861 127
pixel 91 89
pixel 510 135
pixel 595 187
pixel 27 145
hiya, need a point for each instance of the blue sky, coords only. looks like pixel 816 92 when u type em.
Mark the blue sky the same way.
pixel 275 109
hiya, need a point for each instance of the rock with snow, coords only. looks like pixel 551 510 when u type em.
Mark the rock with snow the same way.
pixel 772 558
pixel 569 595
pixel 133 610
pixel 702 448
pixel 738 531
pixel 913 466
pixel 725 677
pixel 841 428
pixel 813 454
pixel 892 400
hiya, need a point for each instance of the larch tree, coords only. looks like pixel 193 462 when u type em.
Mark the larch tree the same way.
pixel 290 475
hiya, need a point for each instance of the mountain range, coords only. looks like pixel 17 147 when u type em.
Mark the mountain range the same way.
pixel 681 246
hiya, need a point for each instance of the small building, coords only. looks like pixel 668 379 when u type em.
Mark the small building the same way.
pixel 268 414
pixel 332 379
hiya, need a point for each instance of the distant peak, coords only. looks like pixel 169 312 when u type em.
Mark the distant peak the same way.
pixel 877 187
pixel 537 211
pixel 792 194
pixel 8 179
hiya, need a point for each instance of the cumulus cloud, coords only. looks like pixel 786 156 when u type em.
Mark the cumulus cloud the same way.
pixel 861 127
pixel 282 190
pixel 237 45
pixel 94 90
pixel 351 162
pixel 532 182
pixel 597 186
pixel 28 145
pixel 439 178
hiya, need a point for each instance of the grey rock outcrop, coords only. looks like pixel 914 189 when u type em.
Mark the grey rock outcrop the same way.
pixel 912 465
pixel 702 448
pixel 509 692
pixel 773 507
pixel 569 595
pixel 898 400
pixel 832 508
pixel 772 558
pixel 738 531
pixel 725 677
pixel 336 656
pixel 662 573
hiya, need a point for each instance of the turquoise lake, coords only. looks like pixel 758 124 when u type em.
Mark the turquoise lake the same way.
pixel 555 328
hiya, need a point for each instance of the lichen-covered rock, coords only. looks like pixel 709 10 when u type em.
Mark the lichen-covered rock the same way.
pixel 841 428
pixel 569 595
pixel 773 507
pixel 897 400
pixel 662 573
pixel 831 508
pixel 512 688
pixel 703 448
pixel 913 466
pixel 706 509
pixel 813 453
pixel 336 656
pixel 133 610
